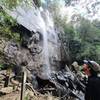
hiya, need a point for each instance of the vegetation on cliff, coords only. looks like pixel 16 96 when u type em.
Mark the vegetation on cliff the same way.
pixel 81 41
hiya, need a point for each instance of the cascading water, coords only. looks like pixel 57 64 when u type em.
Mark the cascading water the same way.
pixel 37 20
pixel 47 29
pixel 46 68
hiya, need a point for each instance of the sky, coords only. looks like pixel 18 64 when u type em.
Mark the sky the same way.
pixel 85 8
pixel 89 9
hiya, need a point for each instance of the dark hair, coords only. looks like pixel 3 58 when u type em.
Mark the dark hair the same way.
pixel 90 65
pixel 93 73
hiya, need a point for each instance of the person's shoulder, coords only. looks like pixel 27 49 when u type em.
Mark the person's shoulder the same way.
pixel 94 79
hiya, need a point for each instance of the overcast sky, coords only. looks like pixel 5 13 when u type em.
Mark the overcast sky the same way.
pixel 87 8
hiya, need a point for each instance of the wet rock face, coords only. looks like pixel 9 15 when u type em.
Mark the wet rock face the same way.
pixel 33 44
pixel 39 39
pixel 2 46
pixel 30 51
pixel 28 55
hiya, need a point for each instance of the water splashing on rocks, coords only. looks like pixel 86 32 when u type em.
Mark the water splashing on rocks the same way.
pixel 37 20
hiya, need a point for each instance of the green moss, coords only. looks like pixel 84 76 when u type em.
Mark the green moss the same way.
pixel 6 24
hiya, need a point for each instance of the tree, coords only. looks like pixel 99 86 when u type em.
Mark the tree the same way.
pixel 89 34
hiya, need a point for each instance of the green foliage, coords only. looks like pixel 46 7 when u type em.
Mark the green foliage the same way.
pixel 10 3
pixel 89 34
pixel 74 48
pixel 6 24
pixel 69 32
pixel 68 2
pixel 37 3
pixel 82 42
pixel 26 97
pixel 1 66
pixel 96 23
pixel 87 31
pixel 54 8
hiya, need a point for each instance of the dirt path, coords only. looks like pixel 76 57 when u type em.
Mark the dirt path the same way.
pixel 11 96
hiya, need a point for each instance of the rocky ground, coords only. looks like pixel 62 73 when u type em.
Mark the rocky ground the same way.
pixel 13 91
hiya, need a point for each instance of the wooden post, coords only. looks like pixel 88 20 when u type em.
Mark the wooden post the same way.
pixel 24 76
pixel 7 77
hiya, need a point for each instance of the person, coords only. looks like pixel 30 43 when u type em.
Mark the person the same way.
pixel 77 70
pixel 92 70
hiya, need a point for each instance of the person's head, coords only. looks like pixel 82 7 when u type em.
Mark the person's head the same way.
pixel 75 66
pixel 91 68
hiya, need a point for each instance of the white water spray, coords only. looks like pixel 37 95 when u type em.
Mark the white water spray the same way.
pixel 33 20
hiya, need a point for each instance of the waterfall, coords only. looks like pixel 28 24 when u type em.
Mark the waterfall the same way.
pixel 37 20
pixel 48 34
pixel 46 67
